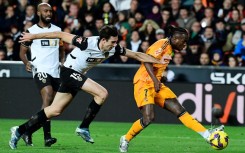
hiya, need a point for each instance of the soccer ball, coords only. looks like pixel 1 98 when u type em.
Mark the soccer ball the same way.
pixel 219 140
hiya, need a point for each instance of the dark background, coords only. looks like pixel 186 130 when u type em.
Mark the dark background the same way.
pixel 19 98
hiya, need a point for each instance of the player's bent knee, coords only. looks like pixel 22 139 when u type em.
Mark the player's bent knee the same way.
pixel 102 96
pixel 105 95
pixel 53 112
pixel 56 113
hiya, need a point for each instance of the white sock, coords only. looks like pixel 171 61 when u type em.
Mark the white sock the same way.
pixel 205 134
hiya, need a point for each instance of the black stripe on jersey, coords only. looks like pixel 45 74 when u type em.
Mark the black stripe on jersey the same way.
pixel 43 27
pixel 72 56
pixel 45 43
pixel 33 59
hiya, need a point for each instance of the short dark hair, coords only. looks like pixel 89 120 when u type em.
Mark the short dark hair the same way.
pixel 165 9
pixel 108 31
pixel 173 30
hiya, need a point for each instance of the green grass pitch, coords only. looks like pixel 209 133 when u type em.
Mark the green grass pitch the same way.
pixel 157 138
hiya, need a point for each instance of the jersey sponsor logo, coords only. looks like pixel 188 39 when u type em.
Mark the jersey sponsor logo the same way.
pixel 42 77
pixel 163 47
pixel 49 43
pixel 76 76
pixel 97 60
pixel 158 51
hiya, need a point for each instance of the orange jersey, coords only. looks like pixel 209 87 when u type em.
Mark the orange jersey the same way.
pixel 157 50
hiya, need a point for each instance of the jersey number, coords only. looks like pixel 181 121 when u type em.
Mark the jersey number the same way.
pixel 146 99
pixel 42 77
pixel 76 76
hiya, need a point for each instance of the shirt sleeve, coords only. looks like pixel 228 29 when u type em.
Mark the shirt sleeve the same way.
pixel 26 43
pixel 80 42
pixel 119 50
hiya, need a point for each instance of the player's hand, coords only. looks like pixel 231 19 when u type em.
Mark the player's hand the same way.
pixel 166 59
pixel 157 85
pixel 26 37
pixel 28 67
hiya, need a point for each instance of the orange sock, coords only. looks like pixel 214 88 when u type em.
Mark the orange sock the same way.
pixel 192 123
pixel 134 130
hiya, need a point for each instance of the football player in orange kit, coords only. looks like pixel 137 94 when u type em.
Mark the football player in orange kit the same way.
pixel 149 91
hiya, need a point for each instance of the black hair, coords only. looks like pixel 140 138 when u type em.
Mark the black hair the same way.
pixel 208 27
pixel 165 9
pixel 108 31
pixel 185 8
pixel 174 30
pixel 8 37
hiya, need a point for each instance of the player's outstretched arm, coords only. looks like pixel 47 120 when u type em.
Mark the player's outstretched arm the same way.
pixel 145 57
pixel 142 57
pixel 67 37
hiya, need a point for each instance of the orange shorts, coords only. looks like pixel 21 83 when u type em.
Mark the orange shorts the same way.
pixel 145 94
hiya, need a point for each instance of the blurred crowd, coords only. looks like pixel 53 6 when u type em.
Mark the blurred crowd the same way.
pixel 216 28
